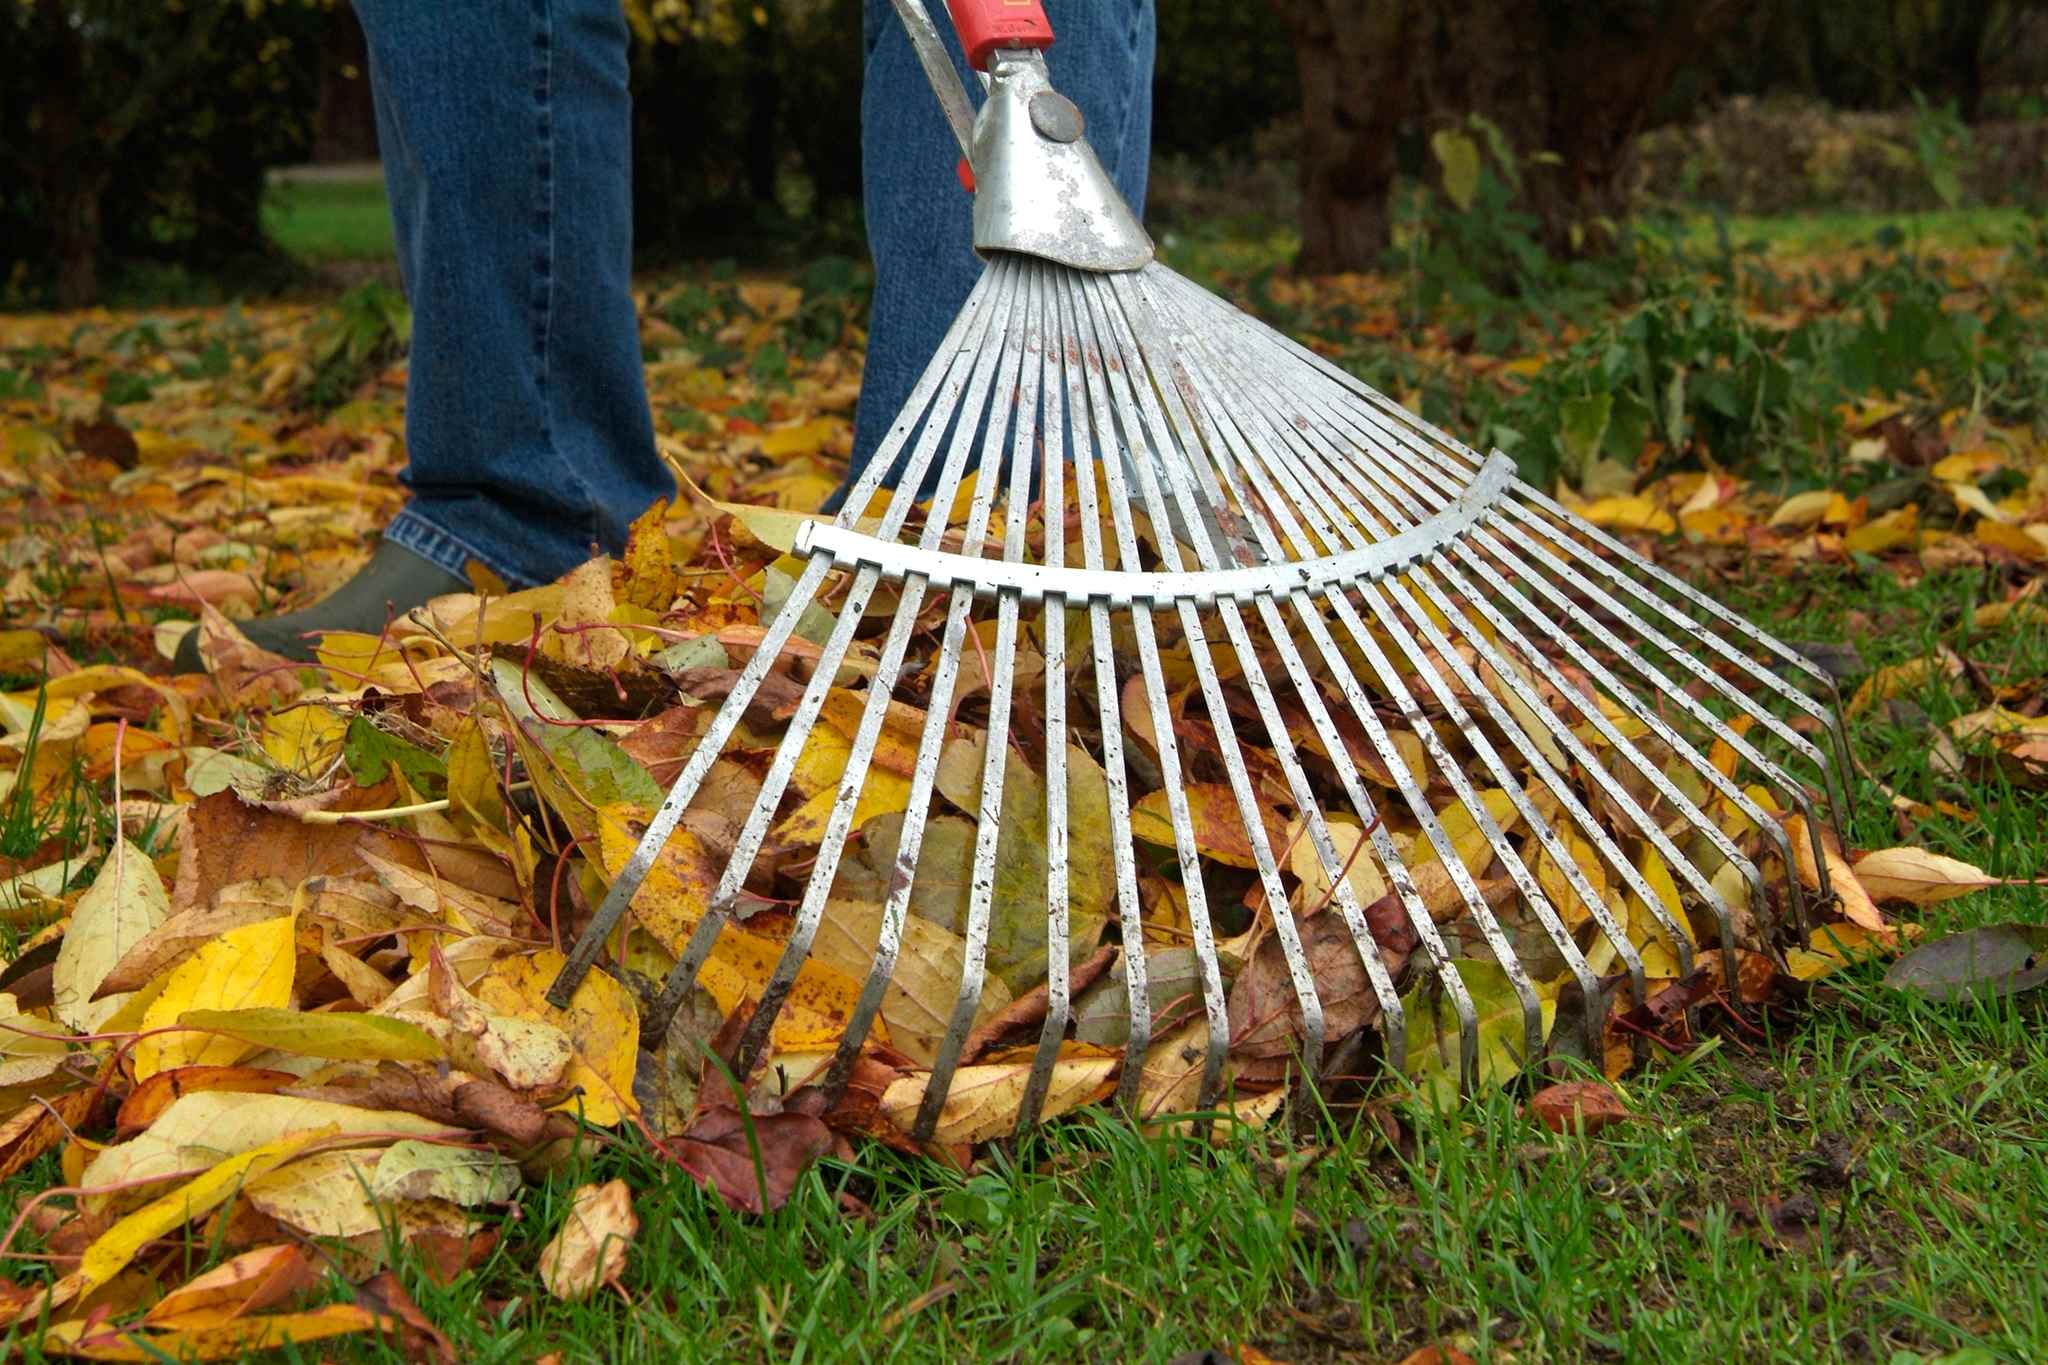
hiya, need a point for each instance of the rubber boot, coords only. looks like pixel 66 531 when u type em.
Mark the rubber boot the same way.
pixel 394 582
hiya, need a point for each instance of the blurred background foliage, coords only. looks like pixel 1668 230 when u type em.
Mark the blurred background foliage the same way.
pixel 138 138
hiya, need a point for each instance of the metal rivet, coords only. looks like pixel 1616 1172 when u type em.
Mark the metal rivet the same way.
pixel 1056 117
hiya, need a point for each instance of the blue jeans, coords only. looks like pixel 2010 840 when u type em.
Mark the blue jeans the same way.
pixel 505 131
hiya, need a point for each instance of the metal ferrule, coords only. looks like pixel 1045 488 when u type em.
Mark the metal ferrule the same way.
pixel 1039 189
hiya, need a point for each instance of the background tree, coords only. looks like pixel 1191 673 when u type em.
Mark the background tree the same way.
pixel 1574 81
pixel 141 132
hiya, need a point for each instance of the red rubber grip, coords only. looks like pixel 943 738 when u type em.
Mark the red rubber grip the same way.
pixel 985 25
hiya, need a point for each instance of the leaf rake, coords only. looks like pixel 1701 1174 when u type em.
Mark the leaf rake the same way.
pixel 1273 575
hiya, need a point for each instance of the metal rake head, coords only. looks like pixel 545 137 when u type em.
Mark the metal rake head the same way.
pixel 1162 612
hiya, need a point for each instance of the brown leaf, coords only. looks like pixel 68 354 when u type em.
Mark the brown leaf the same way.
pixel 1265 1014
pixel 1568 1105
pixel 39 1126
pixel 383 1295
pixel 589 1251
pixel 224 841
pixel 1027 1011
pixel 716 1153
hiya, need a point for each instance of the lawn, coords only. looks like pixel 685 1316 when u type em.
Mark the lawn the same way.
pixel 324 221
pixel 1856 1173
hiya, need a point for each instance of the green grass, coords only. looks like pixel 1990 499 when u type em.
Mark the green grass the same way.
pixel 1914 1136
pixel 1819 232
pixel 321 222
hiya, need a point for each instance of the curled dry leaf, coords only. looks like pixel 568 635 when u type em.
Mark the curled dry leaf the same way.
pixel 248 1283
pixel 985 1099
pixel 1919 877
pixel 1576 1106
pixel 589 1251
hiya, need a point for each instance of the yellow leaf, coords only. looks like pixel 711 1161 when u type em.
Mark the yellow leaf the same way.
pixel 249 966
pixel 1473 848
pixel 1459 156
pixel 771 526
pixel 1804 511
pixel 473 777
pixel 1889 682
pixel 1923 878
pixel 820 1001
pixel 1968 466
pixel 1557 885
pixel 304 739
pixel 246 1283
pixel 1630 513
pixel 234 1338
pixel 1660 955
pixel 2028 542
pixel 117 1246
pixel 984 1100
pixel 803 438
pixel 602 1022
pixel 1832 947
pixel 679 884
pixel 114 914
pixel 1217 824
pixel 1857 907
pixel 918 1003
pixel 1888 532
pixel 1354 854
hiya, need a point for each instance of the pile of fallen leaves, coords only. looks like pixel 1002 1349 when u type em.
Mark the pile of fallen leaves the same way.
pixel 280 937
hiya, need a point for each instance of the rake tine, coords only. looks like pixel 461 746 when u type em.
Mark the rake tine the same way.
pixel 839 824
pixel 1559 788
pixel 1433 445
pixel 1679 864
pixel 1567 947
pixel 1126 429
pixel 1021 379
pixel 1664 686
pixel 1592 712
pixel 1185 403
pixel 1053 624
pixel 1338 749
pixel 1539 904
pixel 1163 431
pixel 748 845
pixel 1090 438
pixel 942 380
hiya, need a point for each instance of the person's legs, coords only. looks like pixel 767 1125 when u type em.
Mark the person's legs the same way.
pixel 506 136
pixel 920 228
pixel 505 131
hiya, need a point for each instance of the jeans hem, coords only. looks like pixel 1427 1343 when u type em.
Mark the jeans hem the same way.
pixel 442 548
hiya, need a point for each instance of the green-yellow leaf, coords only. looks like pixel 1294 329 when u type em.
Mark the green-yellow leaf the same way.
pixel 342 1037
pixel 1459 156
pixel 1433 1058
pixel 117 1246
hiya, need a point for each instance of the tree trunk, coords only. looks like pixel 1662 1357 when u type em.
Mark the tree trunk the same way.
pixel 1577 81
pixel 1354 94
pixel 75 196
